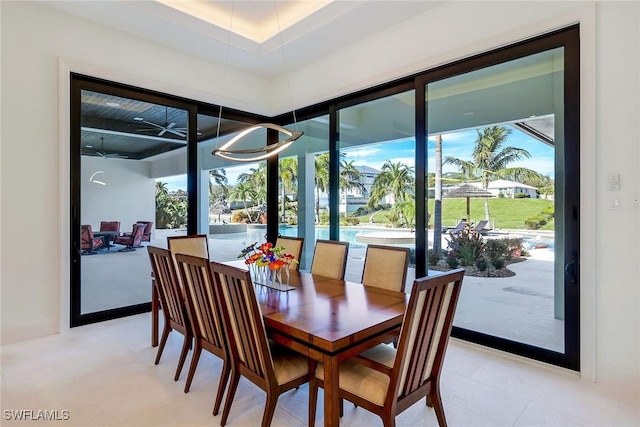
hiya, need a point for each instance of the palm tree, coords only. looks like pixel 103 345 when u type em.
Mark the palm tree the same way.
pixel 244 191
pixel 288 175
pixel 395 179
pixel 218 188
pixel 490 158
pixel 350 179
pixel 321 179
pixel 161 189
pixel 257 178
pixel 437 214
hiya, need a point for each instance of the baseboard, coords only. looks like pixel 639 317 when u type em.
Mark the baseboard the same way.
pixel 626 384
pixel 28 331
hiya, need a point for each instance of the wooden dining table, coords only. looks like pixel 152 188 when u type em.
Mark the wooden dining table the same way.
pixel 329 320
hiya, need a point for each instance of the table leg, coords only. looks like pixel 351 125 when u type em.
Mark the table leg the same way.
pixel 154 314
pixel 331 391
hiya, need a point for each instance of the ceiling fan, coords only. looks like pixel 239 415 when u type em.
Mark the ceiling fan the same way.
pixel 164 128
pixel 106 155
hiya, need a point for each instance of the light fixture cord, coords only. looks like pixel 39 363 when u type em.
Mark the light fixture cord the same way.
pixel 226 60
pixel 284 62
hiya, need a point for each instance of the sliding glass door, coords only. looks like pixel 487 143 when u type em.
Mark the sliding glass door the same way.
pixel 121 141
pixel 501 184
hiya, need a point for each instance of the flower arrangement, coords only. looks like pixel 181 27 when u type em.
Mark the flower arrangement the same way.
pixel 267 257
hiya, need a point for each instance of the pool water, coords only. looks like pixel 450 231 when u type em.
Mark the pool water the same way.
pixel 258 234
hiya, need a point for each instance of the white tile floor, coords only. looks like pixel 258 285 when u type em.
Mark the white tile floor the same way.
pixel 104 375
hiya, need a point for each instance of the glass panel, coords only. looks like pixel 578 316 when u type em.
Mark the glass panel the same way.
pixel 495 193
pixel 122 140
pixel 377 178
pixel 303 181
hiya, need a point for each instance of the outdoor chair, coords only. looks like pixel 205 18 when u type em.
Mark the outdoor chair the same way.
pixel 458 228
pixel 330 258
pixel 172 303
pixel 293 246
pixel 131 240
pixel 387 381
pixel 481 227
pixel 146 233
pixel 89 243
pixel 273 369
pixel 385 267
pixel 204 314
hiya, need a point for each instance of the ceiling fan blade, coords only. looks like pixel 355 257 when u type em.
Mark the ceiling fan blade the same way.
pixel 170 126
pixel 162 132
pixel 175 132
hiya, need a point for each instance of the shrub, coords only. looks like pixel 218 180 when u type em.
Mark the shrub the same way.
pixel 532 223
pixel 240 216
pixel 452 261
pixel 515 247
pixel 481 264
pixel 324 219
pixel 467 246
pixel 498 263
pixel 434 257
pixel 497 249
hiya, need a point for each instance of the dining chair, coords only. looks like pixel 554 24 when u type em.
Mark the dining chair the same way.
pixel 193 244
pixel 387 381
pixel 385 267
pixel 293 246
pixel 272 368
pixel 204 314
pixel 330 258
pixel 172 303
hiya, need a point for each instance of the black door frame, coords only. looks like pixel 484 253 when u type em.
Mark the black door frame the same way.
pixel 569 39
pixel 81 82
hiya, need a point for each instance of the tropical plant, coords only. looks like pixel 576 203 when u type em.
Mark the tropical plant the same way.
pixel 244 191
pixel 467 246
pixel 395 179
pixel 491 159
pixel 350 179
pixel 171 208
pixel 321 179
pixel 288 176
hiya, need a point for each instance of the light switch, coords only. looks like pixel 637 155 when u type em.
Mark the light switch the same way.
pixel 614 204
pixel 613 180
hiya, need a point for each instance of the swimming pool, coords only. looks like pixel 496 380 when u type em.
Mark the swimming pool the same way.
pixel 258 234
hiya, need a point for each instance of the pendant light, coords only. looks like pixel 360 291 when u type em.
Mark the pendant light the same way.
pixel 256 154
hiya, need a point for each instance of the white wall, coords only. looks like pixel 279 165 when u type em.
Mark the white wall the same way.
pixel 34 168
pixel 128 197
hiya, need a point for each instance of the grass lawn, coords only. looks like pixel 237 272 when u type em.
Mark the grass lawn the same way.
pixel 505 213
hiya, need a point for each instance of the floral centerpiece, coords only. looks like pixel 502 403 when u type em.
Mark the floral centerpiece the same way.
pixel 266 262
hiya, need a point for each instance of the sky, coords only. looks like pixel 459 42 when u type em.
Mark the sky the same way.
pixel 458 144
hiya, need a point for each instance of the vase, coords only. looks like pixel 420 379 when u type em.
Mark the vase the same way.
pixel 276 277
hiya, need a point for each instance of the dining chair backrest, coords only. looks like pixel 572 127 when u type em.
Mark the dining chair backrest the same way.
pixel 201 300
pixel 194 245
pixel 424 335
pixel 385 267
pixel 166 281
pixel 293 246
pixel 330 258
pixel 243 324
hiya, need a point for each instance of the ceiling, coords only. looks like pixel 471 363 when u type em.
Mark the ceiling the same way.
pixel 259 36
